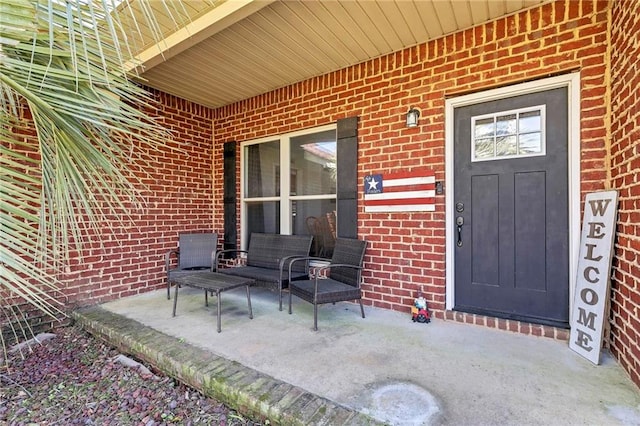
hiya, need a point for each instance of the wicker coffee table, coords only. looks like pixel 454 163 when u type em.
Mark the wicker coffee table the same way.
pixel 213 282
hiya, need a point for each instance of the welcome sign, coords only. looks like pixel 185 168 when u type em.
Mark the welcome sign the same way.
pixel 593 280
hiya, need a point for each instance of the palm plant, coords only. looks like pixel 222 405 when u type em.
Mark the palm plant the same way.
pixel 70 121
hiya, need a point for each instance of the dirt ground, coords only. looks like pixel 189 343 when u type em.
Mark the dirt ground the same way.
pixel 75 379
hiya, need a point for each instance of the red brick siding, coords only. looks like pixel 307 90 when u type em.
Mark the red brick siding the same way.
pixel 625 168
pixel 127 259
pixel 407 251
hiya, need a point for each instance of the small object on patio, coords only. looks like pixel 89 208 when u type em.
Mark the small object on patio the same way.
pixel 336 282
pixel 213 282
pixel 196 252
pixel 420 311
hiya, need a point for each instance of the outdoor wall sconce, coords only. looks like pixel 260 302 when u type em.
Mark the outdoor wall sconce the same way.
pixel 412 117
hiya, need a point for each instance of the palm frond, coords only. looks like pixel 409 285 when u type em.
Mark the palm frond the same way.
pixel 70 123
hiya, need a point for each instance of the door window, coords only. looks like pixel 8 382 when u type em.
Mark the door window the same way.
pixel 518 133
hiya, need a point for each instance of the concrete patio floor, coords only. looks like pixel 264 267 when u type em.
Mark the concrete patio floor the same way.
pixel 383 368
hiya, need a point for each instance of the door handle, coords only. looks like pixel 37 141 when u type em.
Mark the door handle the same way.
pixel 459 223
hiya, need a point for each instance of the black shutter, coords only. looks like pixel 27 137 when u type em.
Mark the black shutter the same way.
pixel 229 201
pixel 347 177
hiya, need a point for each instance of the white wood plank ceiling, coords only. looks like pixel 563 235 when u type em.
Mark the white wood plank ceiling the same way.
pixel 218 52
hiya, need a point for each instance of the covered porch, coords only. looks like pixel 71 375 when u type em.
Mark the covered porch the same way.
pixel 384 368
pixel 235 72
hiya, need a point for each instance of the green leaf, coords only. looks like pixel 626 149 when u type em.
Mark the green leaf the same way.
pixel 17 21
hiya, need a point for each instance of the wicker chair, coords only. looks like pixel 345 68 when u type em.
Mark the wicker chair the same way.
pixel 336 282
pixel 323 231
pixel 195 252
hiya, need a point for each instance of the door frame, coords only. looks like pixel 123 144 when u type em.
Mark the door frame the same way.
pixel 572 83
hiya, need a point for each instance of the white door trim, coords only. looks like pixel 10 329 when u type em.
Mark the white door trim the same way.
pixel 572 83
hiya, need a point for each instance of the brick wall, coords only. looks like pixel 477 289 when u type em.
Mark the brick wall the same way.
pixel 128 258
pixel 625 168
pixel 407 251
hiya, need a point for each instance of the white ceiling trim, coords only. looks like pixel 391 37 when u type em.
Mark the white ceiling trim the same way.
pixel 212 22
pixel 234 50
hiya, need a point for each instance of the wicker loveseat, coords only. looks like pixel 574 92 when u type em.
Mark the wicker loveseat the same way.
pixel 267 260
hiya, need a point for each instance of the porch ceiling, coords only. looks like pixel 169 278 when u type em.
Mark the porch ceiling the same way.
pixel 219 52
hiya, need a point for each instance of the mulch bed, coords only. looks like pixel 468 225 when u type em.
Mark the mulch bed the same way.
pixel 75 379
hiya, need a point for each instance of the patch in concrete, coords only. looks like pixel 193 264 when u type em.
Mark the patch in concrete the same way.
pixel 401 404
pixel 626 415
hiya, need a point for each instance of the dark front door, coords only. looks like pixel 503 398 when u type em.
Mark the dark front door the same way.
pixel 511 208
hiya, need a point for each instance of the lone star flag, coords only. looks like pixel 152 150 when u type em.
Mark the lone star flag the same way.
pixel 400 192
